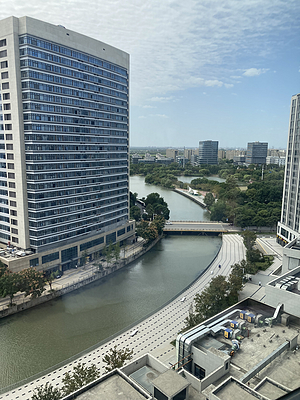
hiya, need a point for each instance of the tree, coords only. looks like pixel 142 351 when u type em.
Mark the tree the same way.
pixel 209 199
pixel 9 285
pixel 135 213
pixel 108 251
pixel 31 282
pixel 116 358
pixel 117 251
pixel 46 392
pixel 80 376
pixel 249 239
pixel 49 278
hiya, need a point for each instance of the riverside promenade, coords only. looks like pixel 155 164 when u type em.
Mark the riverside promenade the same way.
pixel 154 333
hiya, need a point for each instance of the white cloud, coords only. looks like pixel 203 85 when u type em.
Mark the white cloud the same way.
pixel 147 106
pixel 159 115
pixel 255 71
pixel 141 117
pixel 162 99
pixel 175 45
pixel 228 85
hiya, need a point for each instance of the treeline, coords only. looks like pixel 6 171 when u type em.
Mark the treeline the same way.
pixel 223 292
pixel 258 205
pixel 150 215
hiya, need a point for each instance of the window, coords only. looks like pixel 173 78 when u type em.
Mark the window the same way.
pixel 4 64
pixel 50 257
pixel 111 238
pixel 13 203
pixel 14 222
pixel 12 185
pixel 8 136
pixel 121 232
pixel 11 175
pixel 34 262
pixel 8 127
pixel 14 231
pixel 4 75
pixel 5 85
pixel 9 147
pixel 6 96
pixel 6 106
pixel 7 117
pixel 69 254
pixel 14 239
pixel 3 53
pixel 13 212
pixel 12 194
pixel 10 156
pixel 2 42
pixel 10 166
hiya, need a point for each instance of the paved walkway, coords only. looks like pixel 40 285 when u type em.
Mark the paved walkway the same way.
pixel 154 333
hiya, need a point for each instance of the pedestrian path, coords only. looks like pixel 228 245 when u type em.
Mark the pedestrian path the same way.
pixel 154 333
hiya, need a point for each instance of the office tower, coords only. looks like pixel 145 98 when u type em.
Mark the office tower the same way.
pixel 288 227
pixel 172 153
pixel 208 152
pixel 64 142
pixel 256 153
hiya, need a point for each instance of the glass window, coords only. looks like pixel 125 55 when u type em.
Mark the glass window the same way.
pixel 4 75
pixel 3 53
pixel 2 42
pixel 4 64
pixel 5 85
pixel 69 254
pixel 50 257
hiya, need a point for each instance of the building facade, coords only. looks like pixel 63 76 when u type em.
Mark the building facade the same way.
pixel 64 141
pixel 208 152
pixel 256 153
pixel 288 227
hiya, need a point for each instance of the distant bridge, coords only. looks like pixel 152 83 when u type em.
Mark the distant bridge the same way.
pixel 198 227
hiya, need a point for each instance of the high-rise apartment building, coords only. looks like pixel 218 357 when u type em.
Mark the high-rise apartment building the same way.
pixel 256 153
pixel 64 142
pixel 208 152
pixel 288 227
pixel 172 153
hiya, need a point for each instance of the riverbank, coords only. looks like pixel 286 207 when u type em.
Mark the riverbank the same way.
pixel 194 198
pixel 85 275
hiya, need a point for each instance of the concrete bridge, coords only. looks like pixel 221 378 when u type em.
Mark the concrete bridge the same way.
pixel 196 227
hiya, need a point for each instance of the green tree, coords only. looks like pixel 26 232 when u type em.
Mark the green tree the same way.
pixel 9 285
pixel 116 358
pixel 32 282
pixel 249 239
pixel 218 211
pixel 80 376
pixel 49 278
pixel 159 223
pixel 135 213
pixel 46 392
pixel 209 199
pixel 116 251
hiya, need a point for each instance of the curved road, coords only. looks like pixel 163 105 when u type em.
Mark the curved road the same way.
pixel 155 332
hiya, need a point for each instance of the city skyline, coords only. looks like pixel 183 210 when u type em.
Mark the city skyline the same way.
pixel 200 71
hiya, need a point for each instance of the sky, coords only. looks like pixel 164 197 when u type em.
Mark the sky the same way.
pixel 199 69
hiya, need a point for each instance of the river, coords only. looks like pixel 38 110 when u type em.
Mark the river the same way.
pixel 41 337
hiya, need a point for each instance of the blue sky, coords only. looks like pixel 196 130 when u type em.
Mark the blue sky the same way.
pixel 200 69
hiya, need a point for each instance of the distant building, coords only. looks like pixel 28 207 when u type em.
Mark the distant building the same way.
pixel 230 154
pixel 172 153
pixel 163 160
pixel 208 152
pixel 135 158
pixel 188 153
pixel 256 153
pixel 194 159
pixel 221 154
pixel 288 228
pixel 275 160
